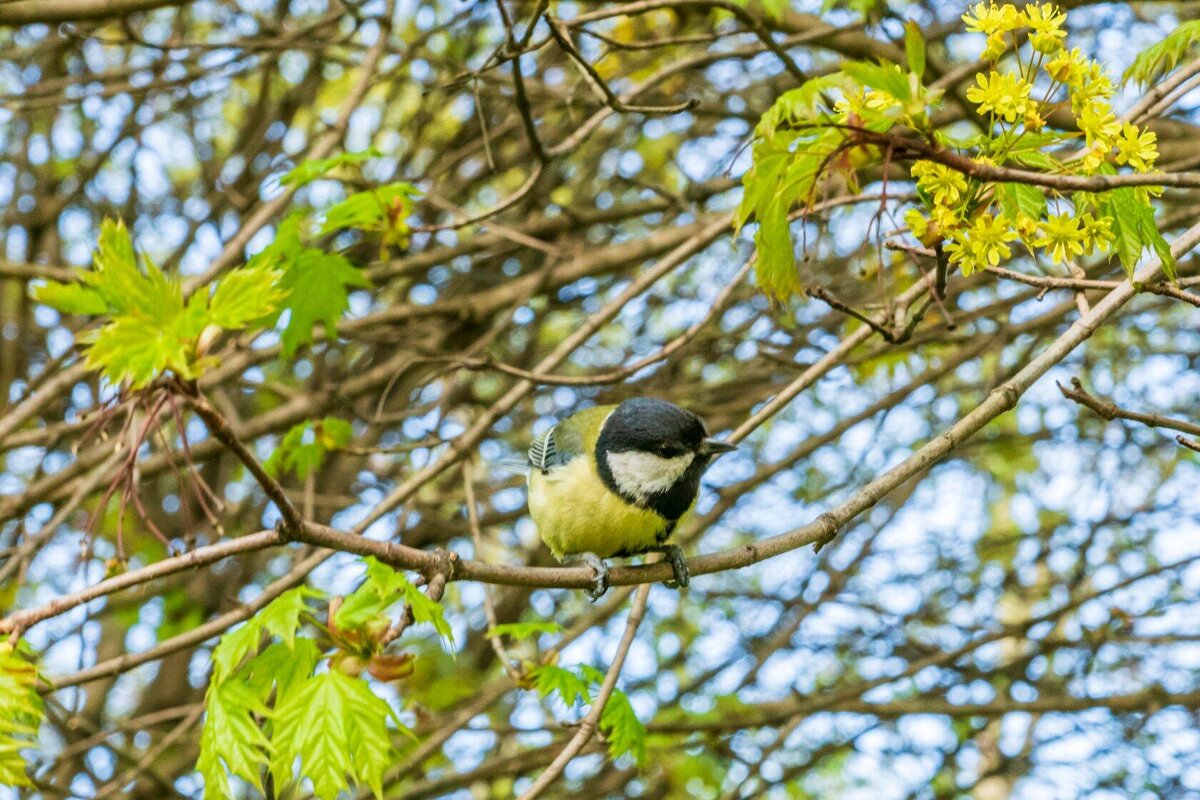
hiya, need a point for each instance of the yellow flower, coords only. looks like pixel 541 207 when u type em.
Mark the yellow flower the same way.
pixel 1033 120
pixel 917 224
pixel 1099 124
pixel 981 245
pixel 1007 96
pixel 1093 158
pixel 1045 22
pixel 1097 233
pixel 1137 148
pixel 990 19
pixel 878 101
pixel 1145 193
pixel 1092 88
pixel 1061 237
pixel 996 45
pixel 1069 67
pixel 1025 225
pixel 943 218
pixel 945 185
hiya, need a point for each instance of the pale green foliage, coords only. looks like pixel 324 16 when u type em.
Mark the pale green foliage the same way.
pixel 787 160
pixel 382 588
pixel 281 619
pixel 1020 199
pixel 304 447
pixel 523 630
pixel 914 48
pixel 624 732
pixel 802 139
pixel 381 210
pixel 337 728
pixel 1162 57
pixel 270 708
pixel 1134 229
pixel 149 329
pixel 551 679
pixel 314 281
pixel 308 171
pixel 231 739
pixel 21 713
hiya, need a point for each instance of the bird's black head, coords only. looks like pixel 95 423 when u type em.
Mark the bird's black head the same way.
pixel 653 453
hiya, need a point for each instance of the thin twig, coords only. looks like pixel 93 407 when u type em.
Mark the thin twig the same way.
pixel 590 722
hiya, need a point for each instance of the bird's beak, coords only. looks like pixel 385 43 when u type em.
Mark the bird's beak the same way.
pixel 712 447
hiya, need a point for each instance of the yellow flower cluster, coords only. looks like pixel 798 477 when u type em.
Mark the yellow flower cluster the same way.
pixel 945 188
pixel 1006 96
pixel 994 22
pixel 981 245
pixel 978 221
pixel 1090 89
pixel 1065 236
pixel 1045 23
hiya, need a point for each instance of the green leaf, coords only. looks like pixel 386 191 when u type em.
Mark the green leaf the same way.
pixel 334 433
pixel 1034 159
pixel 151 329
pixel 622 729
pixel 316 283
pixel 127 289
pixel 775 272
pixel 1018 199
pixel 1158 244
pixel 522 630
pixel 759 184
pixel 886 77
pixel 1162 57
pixel 281 668
pixel 245 295
pixel 304 447
pixel 21 713
pixel 231 738
pixel 383 588
pixel 914 48
pixel 381 209
pixel 797 106
pixel 337 728
pixel 551 679
pixel 308 171
pixel 1127 232
pixel 71 298
pixel 135 350
pixel 1134 229
pixel 281 618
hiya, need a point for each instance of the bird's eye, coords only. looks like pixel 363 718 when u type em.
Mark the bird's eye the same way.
pixel 669 450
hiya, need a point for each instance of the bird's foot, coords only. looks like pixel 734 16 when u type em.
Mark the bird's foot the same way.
pixel 679 567
pixel 600 582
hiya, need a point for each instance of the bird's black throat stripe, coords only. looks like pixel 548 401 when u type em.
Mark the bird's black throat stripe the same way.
pixel 671 503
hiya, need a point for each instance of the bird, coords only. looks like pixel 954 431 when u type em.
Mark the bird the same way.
pixel 616 481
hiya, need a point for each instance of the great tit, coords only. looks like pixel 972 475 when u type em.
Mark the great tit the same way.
pixel 618 481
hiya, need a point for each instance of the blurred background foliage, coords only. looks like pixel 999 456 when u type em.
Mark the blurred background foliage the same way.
pixel 1020 621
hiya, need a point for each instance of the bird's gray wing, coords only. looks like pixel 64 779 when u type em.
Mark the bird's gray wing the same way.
pixel 554 448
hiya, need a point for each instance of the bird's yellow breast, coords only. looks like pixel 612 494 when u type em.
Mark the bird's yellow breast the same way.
pixel 576 513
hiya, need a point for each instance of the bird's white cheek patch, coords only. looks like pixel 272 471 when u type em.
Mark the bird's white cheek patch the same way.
pixel 643 474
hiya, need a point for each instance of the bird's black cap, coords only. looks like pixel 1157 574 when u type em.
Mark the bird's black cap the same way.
pixel 651 425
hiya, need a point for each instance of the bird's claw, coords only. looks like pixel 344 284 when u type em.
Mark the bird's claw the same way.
pixel 679 567
pixel 600 582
